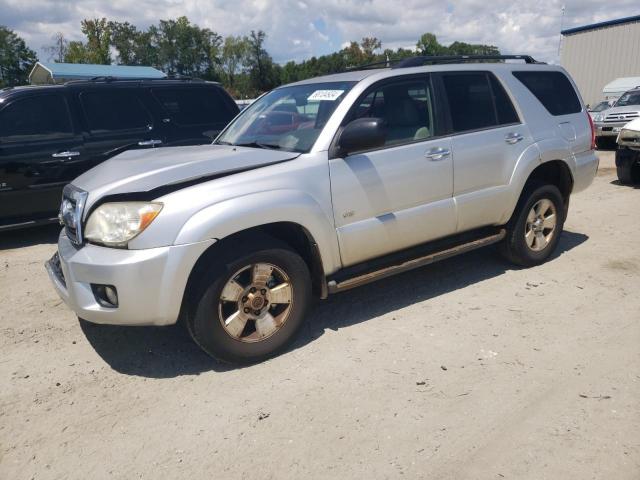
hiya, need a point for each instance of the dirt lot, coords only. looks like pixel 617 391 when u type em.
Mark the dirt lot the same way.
pixel 466 369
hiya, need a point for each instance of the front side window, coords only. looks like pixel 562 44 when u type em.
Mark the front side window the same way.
pixel 470 101
pixel 41 117
pixel 194 106
pixel 629 98
pixel 288 118
pixel 405 106
pixel 114 110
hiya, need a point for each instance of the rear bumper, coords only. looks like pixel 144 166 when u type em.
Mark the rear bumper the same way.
pixel 586 168
pixel 150 283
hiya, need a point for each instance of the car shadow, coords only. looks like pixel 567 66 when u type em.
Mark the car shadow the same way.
pixel 618 183
pixel 166 352
pixel 27 237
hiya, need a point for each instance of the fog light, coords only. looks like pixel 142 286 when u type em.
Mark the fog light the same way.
pixel 106 295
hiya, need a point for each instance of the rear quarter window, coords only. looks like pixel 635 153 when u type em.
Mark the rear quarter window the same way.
pixel 553 90
pixel 194 106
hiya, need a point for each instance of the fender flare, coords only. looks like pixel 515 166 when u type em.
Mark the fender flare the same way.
pixel 249 211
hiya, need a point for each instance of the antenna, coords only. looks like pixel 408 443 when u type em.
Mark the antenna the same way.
pixel 561 28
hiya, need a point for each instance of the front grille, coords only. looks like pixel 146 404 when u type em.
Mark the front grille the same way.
pixel 71 209
pixel 621 117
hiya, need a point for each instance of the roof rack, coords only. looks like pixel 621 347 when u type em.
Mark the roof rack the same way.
pixel 107 78
pixel 439 59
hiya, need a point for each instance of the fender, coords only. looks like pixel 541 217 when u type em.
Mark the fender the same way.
pixel 241 213
pixel 534 156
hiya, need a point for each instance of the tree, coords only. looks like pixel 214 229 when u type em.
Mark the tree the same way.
pixel 234 52
pixel 76 53
pixel 428 45
pixel 16 59
pixel 186 49
pixel 259 63
pixel 58 49
pixel 369 45
pixel 98 40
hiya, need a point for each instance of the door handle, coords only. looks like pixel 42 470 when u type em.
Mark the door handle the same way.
pixel 512 138
pixel 436 154
pixel 149 143
pixel 65 154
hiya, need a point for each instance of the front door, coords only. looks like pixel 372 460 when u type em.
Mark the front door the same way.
pixel 399 195
pixel 39 153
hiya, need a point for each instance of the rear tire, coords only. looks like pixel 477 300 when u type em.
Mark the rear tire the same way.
pixel 534 230
pixel 250 304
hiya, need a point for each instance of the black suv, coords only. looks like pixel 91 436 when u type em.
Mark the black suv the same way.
pixel 51 134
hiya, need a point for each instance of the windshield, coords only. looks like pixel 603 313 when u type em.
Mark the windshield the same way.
pixel 629 98
pixel 600 107
pixel 288 118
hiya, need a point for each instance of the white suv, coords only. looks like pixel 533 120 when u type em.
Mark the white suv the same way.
pixel 321 186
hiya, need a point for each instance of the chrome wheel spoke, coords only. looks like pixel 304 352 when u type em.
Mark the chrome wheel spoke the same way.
pixel 540 242
pixel 260 274
pixel 266 325
pixel 232 291
pixel 549 222
pixel 235 323
pixel 280 294
pixel 545 206
pixel 529 237
pixel 532 215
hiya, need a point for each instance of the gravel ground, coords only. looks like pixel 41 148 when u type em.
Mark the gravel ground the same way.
pixel 465 369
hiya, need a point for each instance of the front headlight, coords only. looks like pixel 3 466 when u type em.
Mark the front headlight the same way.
pixel 629 138
pixel 598 117
pixel 115 224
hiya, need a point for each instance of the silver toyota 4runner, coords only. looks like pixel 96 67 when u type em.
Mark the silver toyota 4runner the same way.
pixel 321 186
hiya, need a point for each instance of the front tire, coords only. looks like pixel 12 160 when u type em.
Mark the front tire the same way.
pixel 249 306
pixel 534 230
pixel 628 167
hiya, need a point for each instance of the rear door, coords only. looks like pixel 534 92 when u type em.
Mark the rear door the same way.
pixel 488 138
pixel 40 151
pixel 116 120
pixel 194 114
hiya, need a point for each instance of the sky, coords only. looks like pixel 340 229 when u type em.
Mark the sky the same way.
pixel 299 29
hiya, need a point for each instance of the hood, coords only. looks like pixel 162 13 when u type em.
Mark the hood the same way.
pixel 138 171
pixel 619 110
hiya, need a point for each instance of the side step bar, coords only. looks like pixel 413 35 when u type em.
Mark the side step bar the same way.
pixel 335 287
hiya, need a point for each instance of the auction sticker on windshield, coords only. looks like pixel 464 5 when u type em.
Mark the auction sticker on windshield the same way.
pixel 329 95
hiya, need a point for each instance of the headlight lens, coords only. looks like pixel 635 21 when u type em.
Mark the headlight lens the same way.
pixel 630 138
pixel 598 117
pixel 115 224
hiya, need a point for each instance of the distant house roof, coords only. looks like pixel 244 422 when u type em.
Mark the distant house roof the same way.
pixel 61 72
pixel 620 85
pixel 594 26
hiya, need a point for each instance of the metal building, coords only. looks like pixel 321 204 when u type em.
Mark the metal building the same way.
pixel 597 54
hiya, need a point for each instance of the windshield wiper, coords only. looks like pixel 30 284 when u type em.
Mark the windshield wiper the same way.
pixel 258 145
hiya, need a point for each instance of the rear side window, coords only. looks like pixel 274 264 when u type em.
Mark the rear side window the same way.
pixel 194 106
pixel 553 89
pixel 114 110
pixel 40 117
pixel 470 101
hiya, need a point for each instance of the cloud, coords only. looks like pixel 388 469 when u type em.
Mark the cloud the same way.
pixel 298 29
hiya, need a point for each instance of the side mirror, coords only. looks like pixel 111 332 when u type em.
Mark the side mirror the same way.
pixel 362 134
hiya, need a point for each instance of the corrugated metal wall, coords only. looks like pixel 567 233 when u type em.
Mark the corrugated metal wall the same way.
pixel 596 57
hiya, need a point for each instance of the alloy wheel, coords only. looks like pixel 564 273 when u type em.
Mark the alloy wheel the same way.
pixel 255 302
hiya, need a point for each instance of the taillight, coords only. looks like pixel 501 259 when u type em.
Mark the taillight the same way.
pixel 593 132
